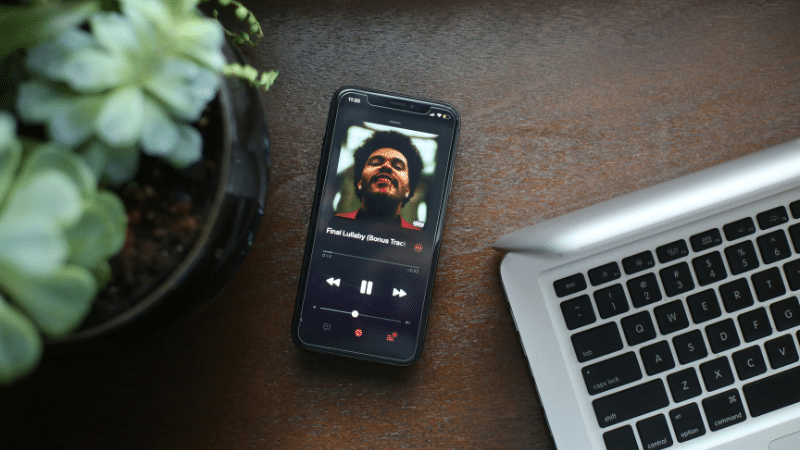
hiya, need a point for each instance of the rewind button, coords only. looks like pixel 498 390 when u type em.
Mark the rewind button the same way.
pixel 334 281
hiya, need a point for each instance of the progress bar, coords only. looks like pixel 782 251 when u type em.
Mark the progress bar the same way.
pixel 369 259
pixel 355 314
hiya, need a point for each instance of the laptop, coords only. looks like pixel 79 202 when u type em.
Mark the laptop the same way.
pixel 668 317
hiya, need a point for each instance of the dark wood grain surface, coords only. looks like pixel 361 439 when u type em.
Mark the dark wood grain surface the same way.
pixel 564 104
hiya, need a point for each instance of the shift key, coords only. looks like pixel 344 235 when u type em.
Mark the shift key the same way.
pixel 630 403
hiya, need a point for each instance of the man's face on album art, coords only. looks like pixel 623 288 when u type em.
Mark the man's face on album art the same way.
pixel 385 175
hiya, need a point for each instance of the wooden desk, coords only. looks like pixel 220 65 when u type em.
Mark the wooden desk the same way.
pixel 564 104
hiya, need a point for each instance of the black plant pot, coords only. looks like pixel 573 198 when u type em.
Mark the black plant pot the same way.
pixel 239 148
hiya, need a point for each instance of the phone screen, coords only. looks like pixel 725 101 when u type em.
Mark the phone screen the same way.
pixel 374 238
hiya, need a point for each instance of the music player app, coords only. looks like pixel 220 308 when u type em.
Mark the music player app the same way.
pixel 377 230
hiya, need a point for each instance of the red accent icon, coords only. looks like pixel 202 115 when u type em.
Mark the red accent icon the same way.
pixel 391 337
pixel 418 247
pixel 359 332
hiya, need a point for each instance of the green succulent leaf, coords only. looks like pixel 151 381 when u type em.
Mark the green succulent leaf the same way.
pixel 184 87
pixel 159 132
pixel 182 7
pixel 76 122
pixel 122 163
pixel 189 148
pixel 47 59
pixel 199 37
pixel 30 227
pixel 32 246
pixel 102 272
pixel 24 26
pixel 149 15
pixel 115 33
pixel 10 152
pixel 20 344
pixel 51 157
pixel 94 70
pixel 120 121
pixel 100 232
pixel 43 196
pixel 56 303
pixel 39 100
pixel 95 155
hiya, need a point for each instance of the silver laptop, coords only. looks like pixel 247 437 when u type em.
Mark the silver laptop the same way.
pixel 669 317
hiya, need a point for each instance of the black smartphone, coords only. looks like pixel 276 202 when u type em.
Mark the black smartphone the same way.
pixel 376 226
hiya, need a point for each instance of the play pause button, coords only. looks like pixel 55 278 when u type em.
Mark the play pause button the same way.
pixel 366 287
pixel 334 281
pixel 398 293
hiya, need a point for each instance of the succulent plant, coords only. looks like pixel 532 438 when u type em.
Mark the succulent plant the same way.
pixel 57 231
pixel 108 79
pixel 136 80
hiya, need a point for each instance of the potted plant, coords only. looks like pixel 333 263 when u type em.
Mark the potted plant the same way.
pixel 132 174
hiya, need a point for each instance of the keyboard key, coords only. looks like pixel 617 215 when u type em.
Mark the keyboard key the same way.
pixel 792 271
pixel 768 284
pixel 644 290
pixel 687 422
pixel 604 274
pixel 578 312
pixel 709 268
pixel 739 229
pixel 772 393
pixel 724 410
pixel 795 208
pixel 672 251
pixel 736 295
pixel 671 317
pixel 638 328
pixel 749 362
pixel 684 385
pixel 717 374
pixel 638 262
pixel 722 336
pixel 706 240
pixel 774 247
pixel 772 218
pixel 786 313
pixel 597 342
pixel 611 373
pixel 621 439
pixel 690 347
pixel 704 306
pixel 741 257
pixel 677 279
pixel 629 403
pixel 657 358
pixel 794 231
pixel 570 285
pixel 781 351
pixel 755 325
pixel 611 301
pixel 654 433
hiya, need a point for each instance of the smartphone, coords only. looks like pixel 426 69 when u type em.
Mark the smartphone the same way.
pixel 376 226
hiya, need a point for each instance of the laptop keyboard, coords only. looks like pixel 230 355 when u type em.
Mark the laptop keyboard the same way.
pixel 717 347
